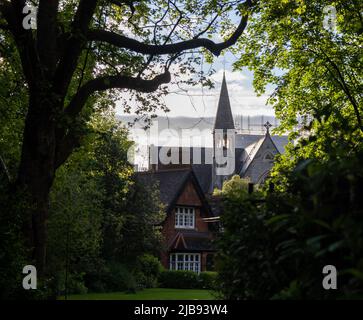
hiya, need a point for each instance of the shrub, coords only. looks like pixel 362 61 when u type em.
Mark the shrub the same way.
pixel 207 279
pixel 275 244
pixel 149 269
pixel 119 278
pixel 178 279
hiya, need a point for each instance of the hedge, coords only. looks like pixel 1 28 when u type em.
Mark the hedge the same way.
pixel 179 279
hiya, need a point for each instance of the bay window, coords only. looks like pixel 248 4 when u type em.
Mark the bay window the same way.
pixel 185 261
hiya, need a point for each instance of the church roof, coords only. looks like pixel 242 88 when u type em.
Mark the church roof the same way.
pixel 246 141
pixel 251 150
pixel 224 118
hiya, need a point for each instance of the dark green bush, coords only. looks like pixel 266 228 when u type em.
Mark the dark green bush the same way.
pixel 150 269
pixel 187 279
pixel 119 278
pixel 207 279
pixel 275 244
pixel 178 279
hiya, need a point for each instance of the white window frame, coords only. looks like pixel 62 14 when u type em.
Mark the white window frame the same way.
pixel 184 218
pixel 185 261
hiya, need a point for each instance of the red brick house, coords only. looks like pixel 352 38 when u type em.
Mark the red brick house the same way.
pixel 189 227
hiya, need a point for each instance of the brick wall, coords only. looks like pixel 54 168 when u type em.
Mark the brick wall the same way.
pixel 189 197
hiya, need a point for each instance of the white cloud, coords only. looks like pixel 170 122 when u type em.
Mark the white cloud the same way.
pixel 202 102
pixel 231 76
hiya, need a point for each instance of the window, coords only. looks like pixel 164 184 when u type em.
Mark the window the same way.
pixel 185 261
pixel 184 218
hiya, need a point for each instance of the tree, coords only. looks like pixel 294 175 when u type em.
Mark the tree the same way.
pixel 309 52
pixel 81 49
pixel 276 243
pixel 101 219
pixel 246 261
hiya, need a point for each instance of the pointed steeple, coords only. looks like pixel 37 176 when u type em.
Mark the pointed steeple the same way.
pixel 224 118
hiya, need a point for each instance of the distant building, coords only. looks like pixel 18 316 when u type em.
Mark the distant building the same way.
pixel 186 186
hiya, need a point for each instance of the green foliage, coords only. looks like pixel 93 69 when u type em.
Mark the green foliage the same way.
pixel 245 260
pixel 12 249
pixel 56 92
pixel 276 244
pixel 101 219
pixel 149 270
pixel 178 279
pixel 118 277
pixel 188 279
pixel 207 280
pixel 314 72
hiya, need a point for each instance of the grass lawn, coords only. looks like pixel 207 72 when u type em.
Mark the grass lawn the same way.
pixel 148 294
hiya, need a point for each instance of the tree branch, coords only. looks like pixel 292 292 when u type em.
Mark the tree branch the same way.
pixel 70 140
pixel 65 147
pixel 341 81
pixel 74 45
pixel 143 48
pixel 110 82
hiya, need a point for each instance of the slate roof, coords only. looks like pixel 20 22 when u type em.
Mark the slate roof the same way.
pixel 170 183
pixel 250 153
pixel 224 117
pixel 204 170
pixel 246 140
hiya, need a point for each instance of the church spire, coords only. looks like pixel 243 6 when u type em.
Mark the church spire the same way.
pixel 224 118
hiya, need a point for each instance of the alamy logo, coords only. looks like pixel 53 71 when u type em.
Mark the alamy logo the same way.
pixel 30 280
pixel 30 20
pixel 330 280
pixel 222 154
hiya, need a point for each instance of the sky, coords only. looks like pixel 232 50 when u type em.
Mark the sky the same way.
pixel 201 102
pixel 198 103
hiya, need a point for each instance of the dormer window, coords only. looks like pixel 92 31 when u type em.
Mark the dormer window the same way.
pixel 184 217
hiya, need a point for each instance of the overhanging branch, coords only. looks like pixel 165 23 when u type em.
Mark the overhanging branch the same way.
pixel 143 48
pixel 110 82
pixel 69 140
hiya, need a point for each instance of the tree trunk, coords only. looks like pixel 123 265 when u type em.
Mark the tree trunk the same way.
pixel 36 174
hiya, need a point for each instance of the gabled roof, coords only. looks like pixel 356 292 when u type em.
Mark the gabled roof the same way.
pixel 171 184
pixel 224 118
pixel 203 169
pixel 204 173
pixel 252 150
pixel 246 140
